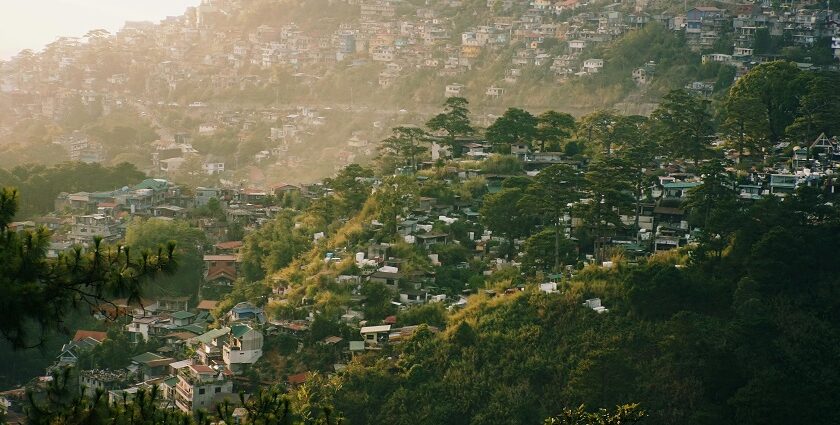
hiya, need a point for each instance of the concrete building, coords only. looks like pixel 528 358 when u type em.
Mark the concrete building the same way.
pixel 198 385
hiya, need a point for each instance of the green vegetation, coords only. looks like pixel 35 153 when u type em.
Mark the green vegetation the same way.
pixel 36 293
pixel 148 235
pixel 39 185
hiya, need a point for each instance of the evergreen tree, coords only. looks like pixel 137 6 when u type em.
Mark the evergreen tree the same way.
pixel 554 127
pixel 551 194
pixel 778 86
pixel 454 120
pixel 36 293
pixel 683 124
pixel 407 143
pixel 515 126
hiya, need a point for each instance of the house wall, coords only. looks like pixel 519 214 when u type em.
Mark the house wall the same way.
pixel 192 397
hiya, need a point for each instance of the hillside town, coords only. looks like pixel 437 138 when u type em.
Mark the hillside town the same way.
pixel 310 211
pixel 189 76
pixel 206 351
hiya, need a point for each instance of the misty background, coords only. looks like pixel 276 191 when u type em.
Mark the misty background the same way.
pixel 32 24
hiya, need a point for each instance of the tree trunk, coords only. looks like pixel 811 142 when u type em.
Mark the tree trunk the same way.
pixel 638 207
pixel 557 247
pixel 510 248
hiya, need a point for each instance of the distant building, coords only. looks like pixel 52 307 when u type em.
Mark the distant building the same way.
pixel 198 385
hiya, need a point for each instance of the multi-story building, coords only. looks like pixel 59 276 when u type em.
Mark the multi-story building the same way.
pixel 221 269
pixel 244 346
pixel 198 385
pixel 87 227
pixel 703 25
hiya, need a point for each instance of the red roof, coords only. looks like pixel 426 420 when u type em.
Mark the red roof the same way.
pixel 200 368
pixel 294 326
pixel 82 334
pixel 220 273
pixel 390 320
pixel 229 245
pixel 207 304
pixel 107 204
pixel 297 378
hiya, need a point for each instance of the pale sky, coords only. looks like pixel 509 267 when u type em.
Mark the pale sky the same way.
pixel 31 24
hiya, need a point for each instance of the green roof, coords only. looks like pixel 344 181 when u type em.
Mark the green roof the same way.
pixel 212 334
pixel 239 330
pixel 146 357
pixel 194 328
pixel 632 247
pixel 154 184
pixel 171 382
pixel 180 315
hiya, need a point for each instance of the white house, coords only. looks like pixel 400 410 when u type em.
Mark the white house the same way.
pixel 592 66
pixel 140 326
pixel 595 304
pixel 495 91
pixel 576 46
pixel 374 335
pixel 207 129
pixel 212 167
pixel 454 90
pixel 244 346
pixel 198 385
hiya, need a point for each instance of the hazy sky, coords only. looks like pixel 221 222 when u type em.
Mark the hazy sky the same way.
pixel 31 24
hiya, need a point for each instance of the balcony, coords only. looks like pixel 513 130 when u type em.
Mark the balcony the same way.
pixel 184 406
pixel 182 393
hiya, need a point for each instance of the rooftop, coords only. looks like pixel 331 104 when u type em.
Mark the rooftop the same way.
pixel 225 257
pixel 376 329
pixel 207 304
pixel 82 334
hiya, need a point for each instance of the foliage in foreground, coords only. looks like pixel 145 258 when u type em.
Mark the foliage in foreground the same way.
pixel 38 293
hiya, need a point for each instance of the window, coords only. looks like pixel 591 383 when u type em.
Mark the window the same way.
pixel 201 390
pixel 218 390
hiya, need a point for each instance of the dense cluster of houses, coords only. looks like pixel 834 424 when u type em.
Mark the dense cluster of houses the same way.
pixel 186 382
pixel 558 35
pixel 204 351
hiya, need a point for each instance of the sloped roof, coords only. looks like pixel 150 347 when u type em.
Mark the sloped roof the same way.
pixel 375 329
pixel 220 273
pixel 146 357
pixel 239 330
pixel 332 340
pixel 297 378
pixel 212 334
pixel 225 257
pixel 202 369
pixel 183 336
pixel 97 335
pixel 194 328
pixel 228 245
pixel 207 304
pixel 155 184
pixel 180 315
